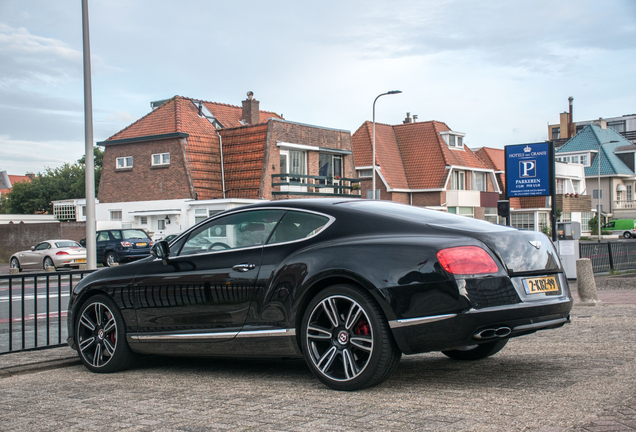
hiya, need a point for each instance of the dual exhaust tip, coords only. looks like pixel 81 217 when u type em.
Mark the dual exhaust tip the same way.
pixel 500 332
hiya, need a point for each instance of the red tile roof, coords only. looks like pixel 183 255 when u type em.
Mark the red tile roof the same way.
pixel 411 155
pixel 243 152
pixel 15 179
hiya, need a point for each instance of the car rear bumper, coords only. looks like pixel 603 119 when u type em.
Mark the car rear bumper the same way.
pixel 452 331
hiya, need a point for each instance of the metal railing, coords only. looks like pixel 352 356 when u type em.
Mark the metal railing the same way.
pixel 300 184
pixel 624 204
pixel 608 256
pixel 33 309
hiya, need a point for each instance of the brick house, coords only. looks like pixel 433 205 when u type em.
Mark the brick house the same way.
pixel 187 152
pixel 426 164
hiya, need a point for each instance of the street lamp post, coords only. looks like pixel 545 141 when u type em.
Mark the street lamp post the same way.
pixel 598 192
pixel 373 157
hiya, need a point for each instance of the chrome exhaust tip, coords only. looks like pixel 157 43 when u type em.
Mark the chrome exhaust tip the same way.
pixel 493 333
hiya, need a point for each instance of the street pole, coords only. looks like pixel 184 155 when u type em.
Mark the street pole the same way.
pixel 91 250
pixel 373 157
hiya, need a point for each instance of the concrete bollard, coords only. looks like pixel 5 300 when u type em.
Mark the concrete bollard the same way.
pixel 14 271
pixel 586 284
pixel 83 267
pixel 49 269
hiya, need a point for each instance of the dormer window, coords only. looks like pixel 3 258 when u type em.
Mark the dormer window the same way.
pixel 453 139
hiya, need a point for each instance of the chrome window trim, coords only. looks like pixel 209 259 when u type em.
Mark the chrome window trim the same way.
pixel 417 321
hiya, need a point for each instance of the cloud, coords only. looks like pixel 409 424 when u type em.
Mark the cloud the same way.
pixel 121 116
pixel 20 156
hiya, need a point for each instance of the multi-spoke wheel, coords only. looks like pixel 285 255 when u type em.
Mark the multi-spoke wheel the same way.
pixel 48 262
pixel 15 264
pixel 346 339
pixel 111 259
pixel 101 336
pixel 477 352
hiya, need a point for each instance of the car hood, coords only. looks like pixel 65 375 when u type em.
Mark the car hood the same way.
pixel 520 250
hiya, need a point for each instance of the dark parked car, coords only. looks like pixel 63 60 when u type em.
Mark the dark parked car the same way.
pixel 350 285
pixel 121 245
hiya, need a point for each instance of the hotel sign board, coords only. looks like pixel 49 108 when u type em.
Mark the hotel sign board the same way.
pixel 528 169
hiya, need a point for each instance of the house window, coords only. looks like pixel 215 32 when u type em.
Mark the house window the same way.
pixel 576 186
pixel 330 166
pixel 115 215
pixel 124 162
pixel 143 220
pixel 556 133
pixel 565 217
pixel 585 160
pixel 559 185
pixel 585 220
pixel 480 181
pixel 161 224
pixel 544 222
pixel 522 220
pixel 365 173
pixel 595 194
pixel 200 215
pixel 453 139
pixel 84 211
pixel 161 159
pixel 628 192
pixel 458 180
pixel 575 159
pixel 491 215
pixel 466 211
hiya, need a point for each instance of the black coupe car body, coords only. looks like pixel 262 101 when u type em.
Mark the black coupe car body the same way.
pixel 348 284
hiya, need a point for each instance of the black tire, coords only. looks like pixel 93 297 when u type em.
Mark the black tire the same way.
pixel 348 346
pixel 111 258
pixel 15 263
pixel 100 335
pixel 627 235
pixel 477 352
pixel 48 262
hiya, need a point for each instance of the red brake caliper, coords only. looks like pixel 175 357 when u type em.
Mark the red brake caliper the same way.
pixel 362 328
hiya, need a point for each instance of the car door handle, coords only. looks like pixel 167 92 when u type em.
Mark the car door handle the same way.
pixel 244 267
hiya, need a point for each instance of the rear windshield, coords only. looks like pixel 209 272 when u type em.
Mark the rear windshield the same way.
pixel 133 234
pixel 64 244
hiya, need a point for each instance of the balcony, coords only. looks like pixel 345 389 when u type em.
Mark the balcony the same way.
pixel 318 186
pixel 625 204
pixel 572 202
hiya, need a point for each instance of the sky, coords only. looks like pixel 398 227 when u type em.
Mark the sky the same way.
pixel 497 70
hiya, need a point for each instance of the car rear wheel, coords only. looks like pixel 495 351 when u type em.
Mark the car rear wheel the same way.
pixel 101 336
pixel 627 235
pixel 477 352
pixel 48 262
pixel 111 259
pixel 346 339
pixel 15 264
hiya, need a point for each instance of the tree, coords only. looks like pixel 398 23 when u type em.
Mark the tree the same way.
pixel 593 225
pixel 65 182
pixel 4 205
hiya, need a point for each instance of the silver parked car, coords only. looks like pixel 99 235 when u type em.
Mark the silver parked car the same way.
pixel 50 253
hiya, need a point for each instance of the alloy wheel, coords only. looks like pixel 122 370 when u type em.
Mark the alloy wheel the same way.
pixel 339 338
pixel 97 334
pixel 15 264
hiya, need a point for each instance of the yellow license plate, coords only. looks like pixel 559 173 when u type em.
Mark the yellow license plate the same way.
pixel 141 244
pixel 80 260
pixel 541 285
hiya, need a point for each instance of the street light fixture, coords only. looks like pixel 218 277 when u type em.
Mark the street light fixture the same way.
pixel 598 192
pixel 373 157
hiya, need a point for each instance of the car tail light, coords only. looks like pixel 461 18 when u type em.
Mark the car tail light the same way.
pixel 61 253
pixel 467 260
pixel 126 244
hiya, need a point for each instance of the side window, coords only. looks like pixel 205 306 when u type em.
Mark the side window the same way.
pixel 297 225
pixel 116 235
pixel 103 236
pixel 43 246
pixel 240 230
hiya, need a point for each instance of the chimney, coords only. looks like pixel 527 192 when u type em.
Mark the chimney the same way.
pixel 600 122
pixel 408 118
pixel 414 118
pixel 250 109
pixel 570 120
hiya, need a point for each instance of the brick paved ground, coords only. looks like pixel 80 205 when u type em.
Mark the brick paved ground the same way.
pixel 581 377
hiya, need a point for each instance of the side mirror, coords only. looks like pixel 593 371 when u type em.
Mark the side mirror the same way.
pixel 161 249
pixel 82 242
pixel 32 247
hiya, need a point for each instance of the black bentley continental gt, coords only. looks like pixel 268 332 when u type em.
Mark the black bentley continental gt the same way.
pixel 350 285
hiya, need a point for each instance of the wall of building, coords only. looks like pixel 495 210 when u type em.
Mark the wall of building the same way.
pixel 19 237
pixel 143 181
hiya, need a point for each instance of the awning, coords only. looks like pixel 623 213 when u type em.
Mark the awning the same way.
pixel 155 212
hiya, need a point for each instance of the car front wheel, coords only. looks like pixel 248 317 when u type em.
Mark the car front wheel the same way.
pixel 627 235
pixel 15 264
pixel 346 339
pixel 101 336
pixel 477 352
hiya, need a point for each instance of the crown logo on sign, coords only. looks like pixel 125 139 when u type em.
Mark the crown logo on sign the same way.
pixel 527 149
